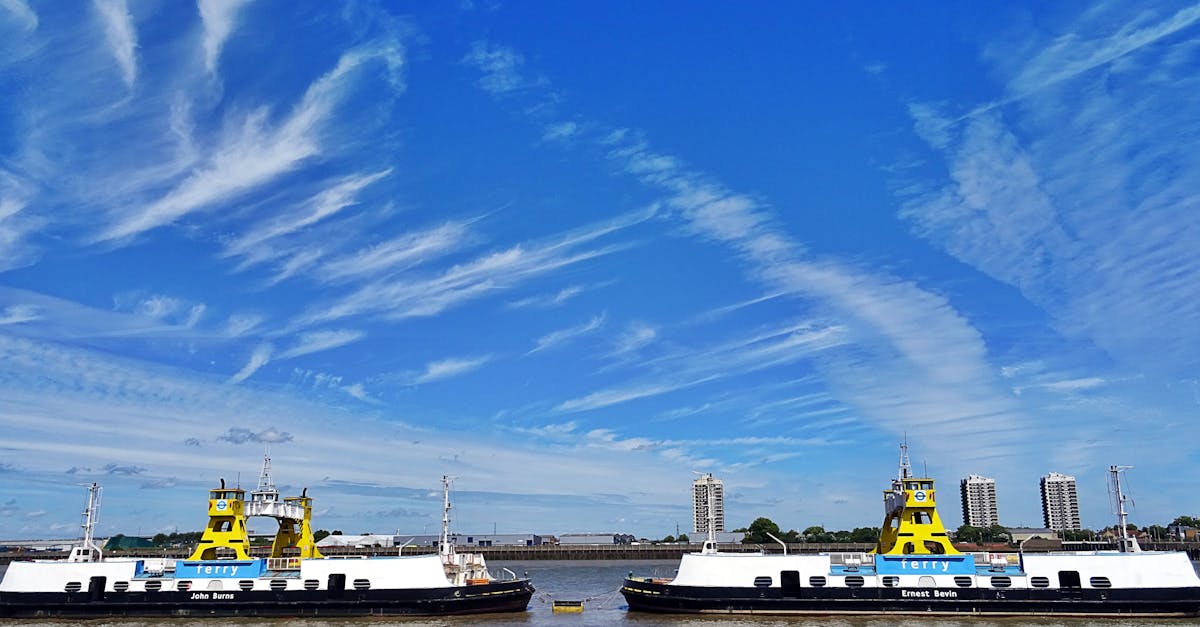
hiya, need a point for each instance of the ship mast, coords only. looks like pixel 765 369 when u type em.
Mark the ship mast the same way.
pixel 89 551
pixel 1128 544
pixel 445 548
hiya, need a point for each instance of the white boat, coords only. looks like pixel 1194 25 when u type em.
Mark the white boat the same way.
pixel 914 569
pixel 222 579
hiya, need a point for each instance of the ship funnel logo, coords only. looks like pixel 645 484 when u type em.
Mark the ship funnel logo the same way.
pixel 222 505
pixel 919 495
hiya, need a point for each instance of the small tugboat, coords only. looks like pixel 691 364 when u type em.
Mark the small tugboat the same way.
pixel 915 570
pixel 221 578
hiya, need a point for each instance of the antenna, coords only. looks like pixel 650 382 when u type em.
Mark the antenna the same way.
pixel 1128 544
pixel 905 466
pixel 445 548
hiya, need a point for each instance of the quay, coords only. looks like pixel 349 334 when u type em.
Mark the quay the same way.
pixel 661 551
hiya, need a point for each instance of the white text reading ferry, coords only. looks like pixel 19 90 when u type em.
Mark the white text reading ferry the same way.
pixel 222 579
pixel 915 570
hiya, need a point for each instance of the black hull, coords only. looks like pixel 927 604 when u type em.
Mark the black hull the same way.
pixel 643 596
pixel 506 596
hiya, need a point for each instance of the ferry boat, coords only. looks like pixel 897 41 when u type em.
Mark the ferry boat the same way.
pixel 914 569
pixel 221 578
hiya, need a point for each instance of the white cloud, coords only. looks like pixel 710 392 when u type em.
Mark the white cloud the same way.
pixel 24 15
pixel 16 314
pixel 634 337
pixel 316 341
pixel 447 368
pixel 560 131
pixel 256 152
pixel 395 254
pixel 220 19
pixel 258 358
pixel 501 67
pixel 121 35
pixel 562 336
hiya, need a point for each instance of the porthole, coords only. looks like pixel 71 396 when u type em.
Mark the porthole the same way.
pixel 153 586
pixel 816 581
pixel 1001 582
pixel 246 584
pixel 279 584
pixel 1101 582
pixel 311 584
pixel 762 581
pixel 962 581
pixel 362 584
pixel 891 581
pixel 120 586
pixel 184 586
pixel 1039 582
pixel 73 586
pixel 854 581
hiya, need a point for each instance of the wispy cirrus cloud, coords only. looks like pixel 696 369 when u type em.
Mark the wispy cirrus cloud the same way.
pixel 16 314
pixel 316 341
pixel 1104 254
pixel 255 151
pixel 398 253
pixel 121 35
pixel 220 20
pixel 450 367
pixel 407 297
pixel 20 11
pixel 242 435
pixel 562 336
pixel 258 358
pixel 500 66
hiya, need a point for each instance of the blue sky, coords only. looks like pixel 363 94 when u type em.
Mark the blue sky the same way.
pixel 571 254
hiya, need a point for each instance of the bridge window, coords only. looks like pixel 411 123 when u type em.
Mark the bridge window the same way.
pixel 762 581
pixel 1039 582
pixel 1100 582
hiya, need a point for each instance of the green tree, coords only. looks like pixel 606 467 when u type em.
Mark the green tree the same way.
pixel 968 533
pixel 1158 532
pixel 159 539
pixel 1187 521
pixel 996 533
pixel 757 532
pixel 817 534
pixel 335 532
pixel 320 534
pixel 683 537
pixel 1078 535
pixel 669 538
pixel 865 534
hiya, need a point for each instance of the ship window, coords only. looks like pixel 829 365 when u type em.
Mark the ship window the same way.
pixel 1101 582
pixel 891 581
pixel 1001 582
pixel 816 581
pixel 184 585
pixel 1040 582
pixel 362 584
pixel 246 584
pixel 279 584
pixel 926 485
pixel 1069 579
pixel 120 586
pixel 762 581
pixel 151 586
pixel 73 586
pixel 926 582
pixel 854 581
pixel 311 584
pixel 962 581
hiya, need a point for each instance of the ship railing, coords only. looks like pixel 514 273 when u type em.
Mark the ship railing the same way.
pixel 852 560
pixel 283 563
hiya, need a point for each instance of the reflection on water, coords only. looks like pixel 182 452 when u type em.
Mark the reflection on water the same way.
pixel 597 583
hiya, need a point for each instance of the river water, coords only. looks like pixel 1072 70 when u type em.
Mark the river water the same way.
pixel 597 583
